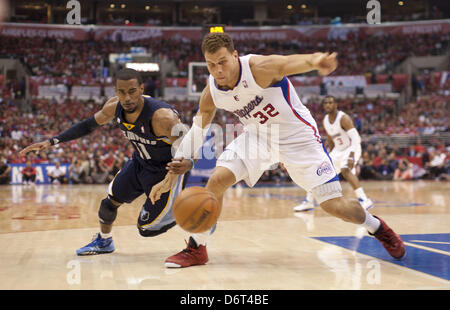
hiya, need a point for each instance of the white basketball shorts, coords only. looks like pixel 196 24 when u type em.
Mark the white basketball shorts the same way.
pixel 308 164
pixel 340 159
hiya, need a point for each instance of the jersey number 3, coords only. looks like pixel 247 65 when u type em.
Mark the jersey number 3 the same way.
pixel 269 109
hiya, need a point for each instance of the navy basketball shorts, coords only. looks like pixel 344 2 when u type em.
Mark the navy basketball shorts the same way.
pixel 135 179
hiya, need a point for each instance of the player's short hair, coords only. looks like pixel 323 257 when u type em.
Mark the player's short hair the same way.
pixel 212 42
pixel 329 96
pixel 128 74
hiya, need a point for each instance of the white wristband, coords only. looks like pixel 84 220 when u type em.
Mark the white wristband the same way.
pixel 191 142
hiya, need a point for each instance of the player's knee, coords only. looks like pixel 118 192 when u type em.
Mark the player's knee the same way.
pixel 107 212
pixel 153 233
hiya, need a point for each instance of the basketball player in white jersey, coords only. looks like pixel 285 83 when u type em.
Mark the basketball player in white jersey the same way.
pixel 345 145
pixel 256 89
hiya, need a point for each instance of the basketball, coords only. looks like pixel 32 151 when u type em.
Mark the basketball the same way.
pixel 196 209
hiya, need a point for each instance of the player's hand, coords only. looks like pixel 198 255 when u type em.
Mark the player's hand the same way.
pixel 179 165
pixel 162 187
pixel 40 146
pixel 325 63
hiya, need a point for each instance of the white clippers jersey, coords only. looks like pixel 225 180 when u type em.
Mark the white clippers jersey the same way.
pixel 340 137
pixel 278 104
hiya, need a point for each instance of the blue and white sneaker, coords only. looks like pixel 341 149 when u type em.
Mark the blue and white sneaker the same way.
pixel 97 246
pixel 366 203
pixel 304 206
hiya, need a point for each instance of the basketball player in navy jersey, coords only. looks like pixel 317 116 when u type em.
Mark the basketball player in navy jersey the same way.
pixel 256 88
pixel 147 124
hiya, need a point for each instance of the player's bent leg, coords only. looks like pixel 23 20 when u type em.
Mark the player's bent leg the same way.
pixel 155 219
pixel 348 174
pixel 329 196
pixel 155 232
pixel 195 252
pixel 350 177
pixel 222 179
pixel 307 204
pixel 350 210
pixel 107 214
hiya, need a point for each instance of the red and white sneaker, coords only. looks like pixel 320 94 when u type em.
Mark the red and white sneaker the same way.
pixel 191 256
pixel 391 241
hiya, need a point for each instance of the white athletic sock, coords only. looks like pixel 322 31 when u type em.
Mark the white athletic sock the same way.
pixel 309 197
pixel 371 223
pixel 105 236
pixel 201 238
pixel 360 193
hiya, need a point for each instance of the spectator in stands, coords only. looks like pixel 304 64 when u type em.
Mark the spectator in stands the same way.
pixel 60 61
pixel 436 168
pixel 118 164
pixel 403 171
pixel 5 171
pixel 28 174
pixel 384 171
pixel 392 161
pixel 57 174
pixel 367 169
pixel 109 159
pixel 85 173
pixel 77 174
pixel 100 171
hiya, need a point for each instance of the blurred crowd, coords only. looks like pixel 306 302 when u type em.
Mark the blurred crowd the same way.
pixel 96 158
pixel 426 115
pixel 61 61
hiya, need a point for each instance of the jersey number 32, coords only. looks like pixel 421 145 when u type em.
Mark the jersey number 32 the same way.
pixel 270 110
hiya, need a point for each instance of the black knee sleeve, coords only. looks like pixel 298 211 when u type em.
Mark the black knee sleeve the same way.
pixel 153 233
pixel 107 212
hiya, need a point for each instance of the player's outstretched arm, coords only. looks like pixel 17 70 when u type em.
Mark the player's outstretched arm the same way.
pixel 194 137
pixel 192 141
pixel 78 130
pixel 166 123
pixel 268 70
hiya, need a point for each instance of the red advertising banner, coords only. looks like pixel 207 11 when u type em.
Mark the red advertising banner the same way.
pixel 135 33
pixel 45 31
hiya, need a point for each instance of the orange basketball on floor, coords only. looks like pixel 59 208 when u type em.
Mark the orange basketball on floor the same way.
pixel 196 209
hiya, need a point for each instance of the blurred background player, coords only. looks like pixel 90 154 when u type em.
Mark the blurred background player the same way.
pixel 345 151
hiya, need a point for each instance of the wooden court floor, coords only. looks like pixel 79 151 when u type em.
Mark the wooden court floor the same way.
pixel 259 243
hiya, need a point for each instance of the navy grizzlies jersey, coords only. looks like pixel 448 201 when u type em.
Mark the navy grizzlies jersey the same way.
pixel 149 149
